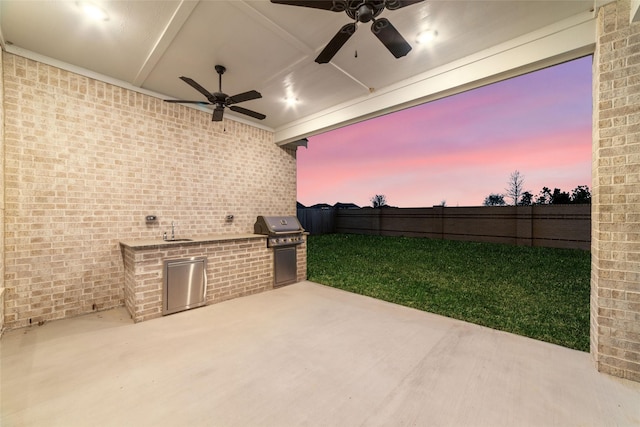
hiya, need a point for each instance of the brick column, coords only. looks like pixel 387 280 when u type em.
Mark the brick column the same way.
pixel 2 290
pixel 615 247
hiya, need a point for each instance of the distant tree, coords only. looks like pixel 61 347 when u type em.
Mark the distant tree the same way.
pixel 544 198
pixel 514 186
pixel 379 200
pixel 581 195
pixel 494 200
pixel 526 199
pixel 559 197
pixel 443 203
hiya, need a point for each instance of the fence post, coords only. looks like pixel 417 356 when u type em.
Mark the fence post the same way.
pixel 524 225
pixel 438 214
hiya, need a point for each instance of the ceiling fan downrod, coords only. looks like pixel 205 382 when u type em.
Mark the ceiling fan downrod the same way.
pixel 220 69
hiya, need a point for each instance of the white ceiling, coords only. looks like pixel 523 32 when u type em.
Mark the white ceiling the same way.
pixel 271 48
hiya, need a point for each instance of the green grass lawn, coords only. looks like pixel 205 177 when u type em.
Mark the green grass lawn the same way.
pixel 541 293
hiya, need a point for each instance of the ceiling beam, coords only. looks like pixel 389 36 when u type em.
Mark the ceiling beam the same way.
pixel 2 40
pixel 307 51
pixel 635 11
pixel 170 31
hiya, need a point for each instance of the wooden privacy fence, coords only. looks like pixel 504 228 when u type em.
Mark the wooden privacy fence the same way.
pixel 317 221
pixel 560 226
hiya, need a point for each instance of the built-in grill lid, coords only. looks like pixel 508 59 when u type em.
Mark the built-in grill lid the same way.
pixel 273 225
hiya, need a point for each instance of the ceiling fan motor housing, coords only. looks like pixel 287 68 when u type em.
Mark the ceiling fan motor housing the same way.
pixel 220 97
pixel 364 11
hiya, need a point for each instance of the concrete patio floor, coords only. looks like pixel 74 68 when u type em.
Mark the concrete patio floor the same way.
pixel 301 355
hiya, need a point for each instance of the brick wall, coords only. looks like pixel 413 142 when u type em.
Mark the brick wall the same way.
pixel 2 303
pixel 86 161
pixel 615 271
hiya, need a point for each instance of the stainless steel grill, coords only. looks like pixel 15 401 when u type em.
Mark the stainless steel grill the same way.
pixel 282 230
pixel 284 234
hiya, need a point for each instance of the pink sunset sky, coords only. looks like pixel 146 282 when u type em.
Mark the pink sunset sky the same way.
pixel 462 148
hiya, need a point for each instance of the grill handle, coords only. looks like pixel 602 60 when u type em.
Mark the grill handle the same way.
pixel 281 233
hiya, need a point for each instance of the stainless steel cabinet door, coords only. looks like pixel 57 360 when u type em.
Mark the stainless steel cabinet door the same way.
pixel 285 265
pixel 184 284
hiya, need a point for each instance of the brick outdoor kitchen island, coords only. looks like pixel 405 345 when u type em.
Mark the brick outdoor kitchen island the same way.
pixel 237 265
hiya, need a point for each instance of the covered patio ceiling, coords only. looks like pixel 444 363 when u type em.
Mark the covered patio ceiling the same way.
pixel 146 45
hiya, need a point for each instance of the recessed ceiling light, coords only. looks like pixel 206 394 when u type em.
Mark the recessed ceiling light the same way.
pixel 291 101
pixel 426 36
pixel 93 11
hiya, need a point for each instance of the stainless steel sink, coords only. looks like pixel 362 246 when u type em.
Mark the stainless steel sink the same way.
pixel 178 240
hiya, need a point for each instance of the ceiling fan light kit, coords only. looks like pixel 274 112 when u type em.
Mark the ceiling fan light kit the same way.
pixel 426 36
pixel 93 11
pixel 361 11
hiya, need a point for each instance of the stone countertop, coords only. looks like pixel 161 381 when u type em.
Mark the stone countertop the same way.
pixel 211 238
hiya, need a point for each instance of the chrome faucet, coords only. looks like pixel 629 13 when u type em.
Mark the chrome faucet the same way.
pixel 173 232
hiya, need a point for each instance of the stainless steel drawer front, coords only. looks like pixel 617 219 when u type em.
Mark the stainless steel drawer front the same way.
pixel 185 284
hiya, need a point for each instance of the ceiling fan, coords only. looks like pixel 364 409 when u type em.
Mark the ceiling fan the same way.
pixel 221 99
pixel 361 11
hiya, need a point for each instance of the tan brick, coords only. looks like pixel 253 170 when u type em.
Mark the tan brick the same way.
pixel 98 161
pixel 615 330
